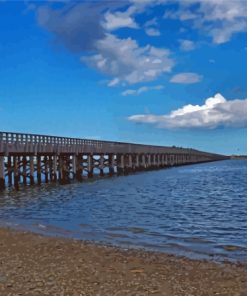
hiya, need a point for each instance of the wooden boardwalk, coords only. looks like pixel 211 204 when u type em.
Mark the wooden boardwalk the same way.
pixel 29 159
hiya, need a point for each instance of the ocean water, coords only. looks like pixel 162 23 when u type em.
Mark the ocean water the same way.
pixel 199 211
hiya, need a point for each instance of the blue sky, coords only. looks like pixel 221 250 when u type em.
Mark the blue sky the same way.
pixel 152 71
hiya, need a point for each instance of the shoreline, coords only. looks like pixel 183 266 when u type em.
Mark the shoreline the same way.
pixel 41 230
pixel 33 264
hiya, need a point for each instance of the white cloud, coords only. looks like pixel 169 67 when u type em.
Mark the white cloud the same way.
pixel 152 32
pixel 86 28
pixel 220 19
pixel 186 78
pixel 117 20
pixel 187 45
pixel 151 23
pixel 215 112
pixel 151 28
pixel 141 90
pixel 127 62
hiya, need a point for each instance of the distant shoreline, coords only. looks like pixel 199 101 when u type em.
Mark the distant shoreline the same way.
pixel 32 263
pixel 238 157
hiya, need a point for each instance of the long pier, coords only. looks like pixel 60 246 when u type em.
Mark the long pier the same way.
pixel 30 159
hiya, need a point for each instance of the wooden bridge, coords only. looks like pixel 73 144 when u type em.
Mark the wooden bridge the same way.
pixel 28 159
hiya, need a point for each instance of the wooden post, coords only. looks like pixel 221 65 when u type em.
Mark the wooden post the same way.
pixel 79 159
pixel 74 165
pixel 2 173
pixel 54 168
pixel 60 168
pixel 18 168
pixel 90 166
pixel 9 171
pixel 130 163
pixel 50 167
pixel 143 161
pixel 162 160
pixel 64 164
pixel 24 170
pixel 111 164
pixel 137 162
pixel 149 161
pixel 16 173
pixel 154 161
pixel 120 164
pixel 166 160
pixel 159 160
pixel 31 170
pixel 46 169
pixel 39 169
pixel 101 164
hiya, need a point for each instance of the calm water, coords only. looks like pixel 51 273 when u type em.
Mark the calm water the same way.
pixel 199 211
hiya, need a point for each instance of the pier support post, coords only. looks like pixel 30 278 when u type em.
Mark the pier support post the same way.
pixel 101 165
pixel 162 160
pixel 130 163
pixel 54 168
pixel 143 162
pixel 73 166
pixel 137 162
pixel 2 173
pixel 24 170
pixel 46 169
pixel 120 164
pixel 149 161
pixel 166 160
pixel 79 159
pixel 50 164
pixel 31 163
pixel 63 169
pixel 10 171
pixel 90 166
pixel 172 160
pixel 111 164
pixel 16 173
pixel 155 161
pixel 39 169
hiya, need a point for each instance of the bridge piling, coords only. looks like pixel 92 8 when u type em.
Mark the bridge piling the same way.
pixel 9 170
pixel 16 173
pixel 2 175
pixel 101 164
pixel 31 162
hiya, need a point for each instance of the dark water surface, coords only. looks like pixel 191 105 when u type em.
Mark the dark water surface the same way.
pixel 199 211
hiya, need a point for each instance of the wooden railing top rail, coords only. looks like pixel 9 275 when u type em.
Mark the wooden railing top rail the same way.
pixel 21 138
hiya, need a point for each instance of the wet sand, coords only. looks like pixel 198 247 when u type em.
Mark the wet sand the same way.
pixel 31 264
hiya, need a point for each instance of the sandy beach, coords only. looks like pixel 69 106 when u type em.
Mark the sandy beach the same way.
pixel 31 264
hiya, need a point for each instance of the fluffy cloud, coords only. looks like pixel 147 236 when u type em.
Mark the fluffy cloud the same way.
pixel 187 45
pixel 85 28
pixel 215 112
pixel 141 90
pixel 117 20
pixel 127 62
pixel 152 32
pixel 151 28
pixel 220 19
pixel 186 78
